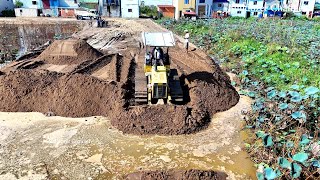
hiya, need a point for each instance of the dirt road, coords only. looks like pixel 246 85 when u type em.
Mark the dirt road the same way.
pixel 63 81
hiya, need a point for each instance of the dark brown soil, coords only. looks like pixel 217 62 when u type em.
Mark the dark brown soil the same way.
pixel 26 87
pixel 177 175
pixel 43 91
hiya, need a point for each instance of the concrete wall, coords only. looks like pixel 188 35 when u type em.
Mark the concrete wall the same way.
pixel 272 5
pixel 238 9
pixel 6 5
pixel 307 7
pixel 26 12
pixel 68 3
pixel 224 6
pixel 130 8
pixel 156 2
pixel 28 4
pixel 255 10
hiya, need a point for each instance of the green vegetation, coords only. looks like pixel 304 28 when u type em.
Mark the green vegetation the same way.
pixel 8 13
pixel 278 63
pixel 18 4
pixel 150 11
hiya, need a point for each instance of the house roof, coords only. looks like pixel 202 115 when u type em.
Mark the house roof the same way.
pixel 190 13
pixel 165 6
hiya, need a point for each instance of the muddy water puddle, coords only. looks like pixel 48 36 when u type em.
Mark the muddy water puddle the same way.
pixel 84 148
pixel 220 147
pixel 122 154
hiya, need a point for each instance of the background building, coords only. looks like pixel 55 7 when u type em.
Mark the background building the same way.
pixel 6 5
pixel 182 6
pixel 130 8
pixel 238 8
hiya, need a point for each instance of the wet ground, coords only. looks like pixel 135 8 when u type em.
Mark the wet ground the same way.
pixel 36 146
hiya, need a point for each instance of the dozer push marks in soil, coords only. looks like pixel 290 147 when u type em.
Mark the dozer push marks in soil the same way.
pixel 155 82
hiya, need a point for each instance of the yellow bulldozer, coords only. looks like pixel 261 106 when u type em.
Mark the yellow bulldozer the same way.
pixel 155 82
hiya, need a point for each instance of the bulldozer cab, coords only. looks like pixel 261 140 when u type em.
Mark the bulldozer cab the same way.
pixel 157 49
pixel 162 84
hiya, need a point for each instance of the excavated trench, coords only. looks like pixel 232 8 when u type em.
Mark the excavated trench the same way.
pixel 27 86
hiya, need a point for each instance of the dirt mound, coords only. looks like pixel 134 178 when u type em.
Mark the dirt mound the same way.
pixel 104 85
pixel 213 91
pixel 177 175
pixel 69 52
pixel 43 91
pixel 161 119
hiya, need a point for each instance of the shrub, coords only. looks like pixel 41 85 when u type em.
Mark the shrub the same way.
pixel 8 13
pixel 149 10
pixel 18 4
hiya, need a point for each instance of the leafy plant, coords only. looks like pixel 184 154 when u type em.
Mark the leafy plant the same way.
pixel 18 4
pixel 278 63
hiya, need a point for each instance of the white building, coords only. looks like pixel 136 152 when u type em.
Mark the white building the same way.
pixel 26 12
pixel 255 7
pixel 6 5
pixel 238 8
pixel 156 2
pixel 274 5
pixel 307 7
pixel 130 8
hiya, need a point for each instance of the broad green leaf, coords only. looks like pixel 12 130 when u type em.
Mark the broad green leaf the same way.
pixel 295 87
pixel 311 90
pixel 295 170
pixel 260 176
pixel 267 141
pixel 284 163
pixel 270 173
pixel 300 157
pixel 316 163
pixel 271 94
pixel 283 106
pixel 299 115
pixel 282 94
pixel 260 134
pixel 304 140
pixel 245 72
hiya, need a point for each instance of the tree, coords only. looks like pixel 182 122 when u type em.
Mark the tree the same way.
pixel 18 4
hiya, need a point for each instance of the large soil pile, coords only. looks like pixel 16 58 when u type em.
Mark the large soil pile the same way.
pixel 177 175
pixel 69 52
pixel 44 91
pixel 103 85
